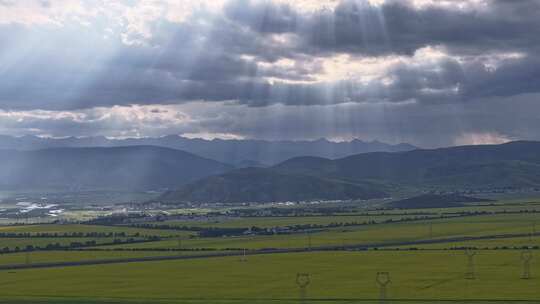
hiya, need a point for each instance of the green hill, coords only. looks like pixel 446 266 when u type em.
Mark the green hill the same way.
pixel 124 168
pixel 372 175
pixel 264 185
pixel 515 165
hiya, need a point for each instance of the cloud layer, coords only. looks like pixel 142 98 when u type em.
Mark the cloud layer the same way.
pixel 272 69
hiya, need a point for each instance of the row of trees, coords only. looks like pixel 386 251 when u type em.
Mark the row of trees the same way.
pixel 218 231
pixel 75 245
pixel 68 235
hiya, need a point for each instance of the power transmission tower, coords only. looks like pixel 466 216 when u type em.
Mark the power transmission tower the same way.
pixel 470 274
pixel 383 280
pixel 302 281
pixel 526 257
pixel 243 258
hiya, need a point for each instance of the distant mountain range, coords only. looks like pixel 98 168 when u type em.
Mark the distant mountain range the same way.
pixel 123 168
pixel 515 164
pixel 370 175
pixel 191 178
pixel 241 153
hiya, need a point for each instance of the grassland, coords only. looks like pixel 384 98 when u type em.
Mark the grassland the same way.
pixel 429 273
pixel 270 222
pixel 353 216
pixel 496 244
pixel 77 228
pixel 54 236
pixel 73 256
pixel 472 226
pixel 334 275
pixel 359 216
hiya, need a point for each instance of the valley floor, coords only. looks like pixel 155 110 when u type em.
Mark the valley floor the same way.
pixel 422 251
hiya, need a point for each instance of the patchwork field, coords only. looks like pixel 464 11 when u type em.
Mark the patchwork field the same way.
pixel 342 254
pixel 470 226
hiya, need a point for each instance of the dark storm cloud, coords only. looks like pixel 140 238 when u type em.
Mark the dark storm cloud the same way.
pixel 262 16
pixel 189 60
pixel 398 28
pixel 263 54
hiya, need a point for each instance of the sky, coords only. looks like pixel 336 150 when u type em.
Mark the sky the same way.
pixel 429 73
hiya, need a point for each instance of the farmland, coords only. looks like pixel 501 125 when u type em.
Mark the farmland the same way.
pixel 335 275
pixel 255 259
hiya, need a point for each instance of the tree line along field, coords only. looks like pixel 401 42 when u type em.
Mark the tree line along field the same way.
pixel 425 257
pixel 354 216
pixel 14 239
pixel 475 226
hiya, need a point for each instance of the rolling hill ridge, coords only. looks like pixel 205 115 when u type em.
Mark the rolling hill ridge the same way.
pixel 267 185
pixel 124 168
pixel 488 167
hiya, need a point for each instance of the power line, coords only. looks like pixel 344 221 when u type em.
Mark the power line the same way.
pixel 180 245
pixel 302 281
pixel 308 240
pixel 27 258
pixel 470 274
pixel 243 258
pixel 383 280
pixel 526 257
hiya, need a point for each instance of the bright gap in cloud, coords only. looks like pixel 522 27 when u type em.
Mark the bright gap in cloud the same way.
pixel 487 138
pixel 212 136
